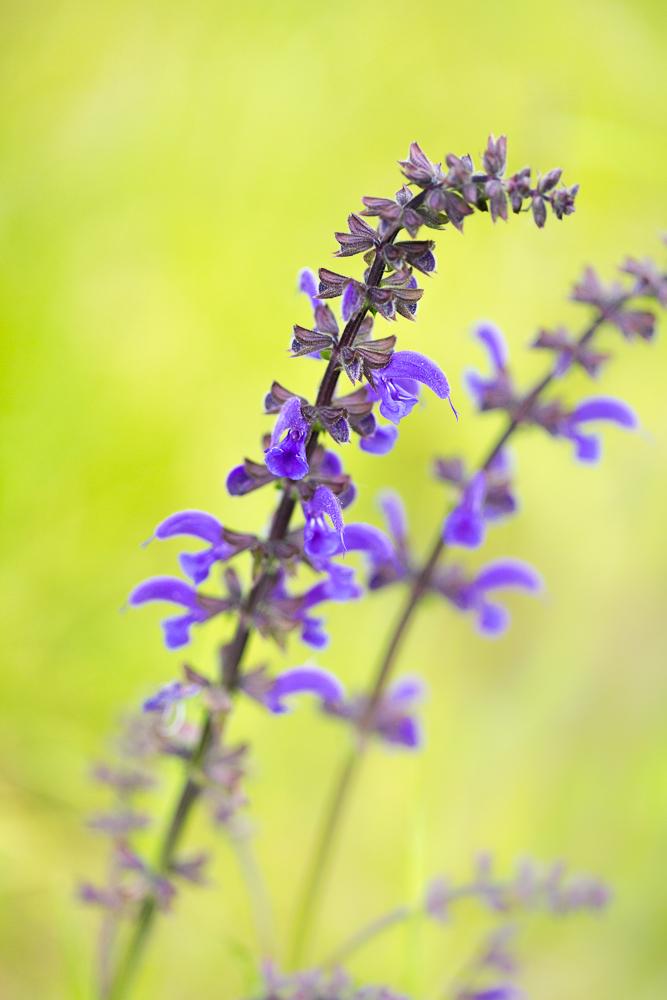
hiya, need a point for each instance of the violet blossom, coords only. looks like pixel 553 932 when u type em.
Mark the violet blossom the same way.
pixel 286 455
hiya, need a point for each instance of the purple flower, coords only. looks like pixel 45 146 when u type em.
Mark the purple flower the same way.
pixel 301 680
pixel 337 585
pixel 587 446
pixel 308 285
pixel 465 524
pixel 496 391
pixel 396 385
pixel 499 500
pixel 472 595
pixel 319 538
pixel 325 321
pixel 197 524
pixel 504 992
pixel 287 454
pixel 393 718
pixel 175 591
pixel 390 561
pixel 380 442
pixel 170 695
pixel 354 297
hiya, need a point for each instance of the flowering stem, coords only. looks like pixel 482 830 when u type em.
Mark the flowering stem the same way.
pixel 321 858
pixel 232 655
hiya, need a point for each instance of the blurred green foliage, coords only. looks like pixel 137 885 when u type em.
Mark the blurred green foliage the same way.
pixel 165 169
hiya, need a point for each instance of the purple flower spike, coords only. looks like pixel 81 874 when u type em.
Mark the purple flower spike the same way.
pixel 380 442
pixel 170 695
pixel 320 539
pixel 605 408
pixel 396 384
pixel 465 525
pixel 287 454
pixel 302 680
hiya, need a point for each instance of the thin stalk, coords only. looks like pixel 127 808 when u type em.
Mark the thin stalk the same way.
pixel 369 933
pixel 259 900
pixel 233 654
pixel 322 855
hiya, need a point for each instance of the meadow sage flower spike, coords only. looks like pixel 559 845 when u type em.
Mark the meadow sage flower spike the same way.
pixel 298 565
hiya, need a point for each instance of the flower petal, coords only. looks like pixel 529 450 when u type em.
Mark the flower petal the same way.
pixel 406 690
pixel 508 573
pixel 290 418
pixel 492 619
pixel 605 408
pixel 362 537
pixel 394 514
pixel 308 283
pixel 164 588
pixel 411 364
pixel 177 630
pixel 324 502
pixel 380 442
pixel 191 522
pixel 301 680
pixel 493 340
pixel 169 695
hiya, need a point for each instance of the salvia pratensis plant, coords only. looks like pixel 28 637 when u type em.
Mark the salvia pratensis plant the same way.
pixel 300 457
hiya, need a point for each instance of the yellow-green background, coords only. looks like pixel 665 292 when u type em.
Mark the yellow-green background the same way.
pixel 165 169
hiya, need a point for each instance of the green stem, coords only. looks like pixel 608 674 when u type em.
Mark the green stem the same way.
pixel 369 933
pixel 259 898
